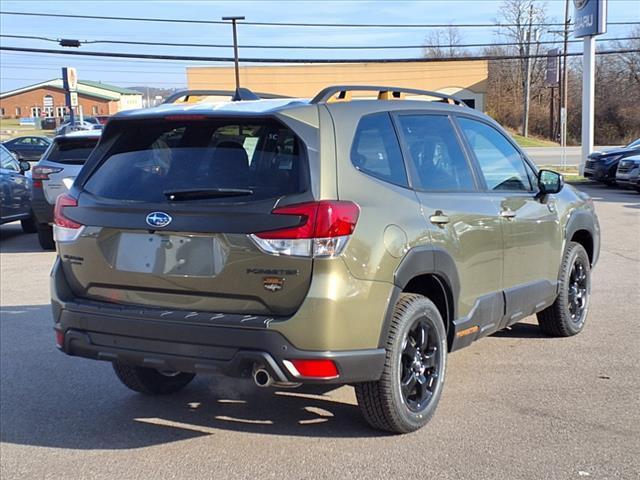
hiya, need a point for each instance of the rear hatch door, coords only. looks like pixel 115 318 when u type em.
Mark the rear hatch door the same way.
pixel 168 213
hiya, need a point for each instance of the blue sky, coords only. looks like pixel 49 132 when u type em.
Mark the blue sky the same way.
pixel 18 69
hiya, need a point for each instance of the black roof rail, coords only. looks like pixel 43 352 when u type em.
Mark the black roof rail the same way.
pixel 384 93
pixel 236 95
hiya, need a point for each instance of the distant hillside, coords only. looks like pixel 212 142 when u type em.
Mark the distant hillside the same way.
pixel 153 91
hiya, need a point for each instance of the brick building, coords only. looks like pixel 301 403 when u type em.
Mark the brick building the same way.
pixel 48 99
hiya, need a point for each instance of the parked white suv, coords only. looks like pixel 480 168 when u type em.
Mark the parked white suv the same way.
pixel 55 173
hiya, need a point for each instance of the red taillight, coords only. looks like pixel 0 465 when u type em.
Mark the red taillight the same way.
pixel 40 173
pixel 315 368
pixel 60 338
pixel 63 201
pixel 324 219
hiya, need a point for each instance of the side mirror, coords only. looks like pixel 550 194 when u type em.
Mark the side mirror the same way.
pixel 24 166
pixel 549 182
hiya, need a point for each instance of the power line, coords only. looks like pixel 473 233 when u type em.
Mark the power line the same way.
pixel 293 24
pixel 298 60
pixel 312 47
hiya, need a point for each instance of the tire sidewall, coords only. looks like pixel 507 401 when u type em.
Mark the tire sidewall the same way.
pixel 426 310
pixel 577 251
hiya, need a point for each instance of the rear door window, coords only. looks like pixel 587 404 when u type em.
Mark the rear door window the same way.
pixel 376 151
pixel 437 157
pixel 71 151
pixel 201 160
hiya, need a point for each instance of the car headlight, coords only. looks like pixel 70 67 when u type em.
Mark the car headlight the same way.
pixel 612 159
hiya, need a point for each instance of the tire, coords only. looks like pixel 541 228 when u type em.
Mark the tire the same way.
pixel 383 403
pixel 567 315
pixel 45 236
pixel 151 381
pixel 29 225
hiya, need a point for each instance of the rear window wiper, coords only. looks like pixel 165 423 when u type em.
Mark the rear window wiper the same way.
pixel 202 193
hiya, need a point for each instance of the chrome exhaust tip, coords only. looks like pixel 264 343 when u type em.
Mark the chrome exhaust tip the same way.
pixel 262 378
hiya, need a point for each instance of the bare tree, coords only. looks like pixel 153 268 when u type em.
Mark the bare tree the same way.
pixel 524 18
pixel 443 43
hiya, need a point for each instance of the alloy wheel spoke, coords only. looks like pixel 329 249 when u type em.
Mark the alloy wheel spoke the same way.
pixel 408 385
pixel 429 360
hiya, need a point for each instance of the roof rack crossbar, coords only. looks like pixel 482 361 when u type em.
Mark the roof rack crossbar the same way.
pixel 235 95
pixel 327 93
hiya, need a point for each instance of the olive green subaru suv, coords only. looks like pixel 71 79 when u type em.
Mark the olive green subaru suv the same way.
pixel 355 238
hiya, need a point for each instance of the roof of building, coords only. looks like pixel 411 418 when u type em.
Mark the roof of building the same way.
pixel 106 86
pixel 85 87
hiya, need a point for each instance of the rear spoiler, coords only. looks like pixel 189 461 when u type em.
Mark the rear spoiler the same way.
pixel 241 94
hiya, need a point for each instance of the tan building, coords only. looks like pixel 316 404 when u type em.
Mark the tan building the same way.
pixel 465 79
pixel 47 99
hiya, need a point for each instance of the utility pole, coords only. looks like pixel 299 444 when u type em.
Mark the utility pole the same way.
pixel 565 86
pixel 527 78
pixel 235 48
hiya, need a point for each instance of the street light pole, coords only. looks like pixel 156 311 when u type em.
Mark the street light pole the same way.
pixel 527 79
pixel 235 48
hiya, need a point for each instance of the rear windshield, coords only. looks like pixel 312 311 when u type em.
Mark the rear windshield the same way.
pixel 261 159
pixel 73 151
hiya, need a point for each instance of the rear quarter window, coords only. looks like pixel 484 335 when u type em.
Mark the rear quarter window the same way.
pixel 152 158
pixel 376 150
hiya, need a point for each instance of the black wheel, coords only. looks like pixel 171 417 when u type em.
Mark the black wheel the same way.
pixel 406 396
pixel 151 381
pixel 29 225
pixel 568 313
pixel 45 236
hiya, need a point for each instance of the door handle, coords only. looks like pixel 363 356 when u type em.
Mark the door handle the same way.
pixel 439 218
pixel 507 213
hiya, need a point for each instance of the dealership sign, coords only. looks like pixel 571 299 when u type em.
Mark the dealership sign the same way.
pixel 590 17
pixel 552 76
pixel 69 79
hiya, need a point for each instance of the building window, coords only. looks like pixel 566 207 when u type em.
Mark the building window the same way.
pixel 2 112
pixel 471 102
pixel 18 112
pixel 35 112
pixel 61 111
pixel 48 112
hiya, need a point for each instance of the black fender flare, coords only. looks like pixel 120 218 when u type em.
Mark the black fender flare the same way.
pixel 418 261
pixel 583 220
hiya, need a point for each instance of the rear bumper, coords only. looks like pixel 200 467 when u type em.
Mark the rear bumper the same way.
pixel 178 342
pixel 42 209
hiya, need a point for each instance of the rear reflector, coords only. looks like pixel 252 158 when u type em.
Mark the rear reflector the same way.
pixel 321 369
pixel 60 338
pixel 65 229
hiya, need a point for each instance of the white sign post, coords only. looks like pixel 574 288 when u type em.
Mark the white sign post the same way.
pixel 590 20
pixel 588 97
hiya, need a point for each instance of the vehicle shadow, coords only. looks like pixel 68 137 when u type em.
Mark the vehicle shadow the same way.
pixel 53 400
pixel 14 240
pixel 521 330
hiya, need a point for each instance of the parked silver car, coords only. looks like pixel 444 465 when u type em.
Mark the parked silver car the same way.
pixel 54 174
pixel 628 172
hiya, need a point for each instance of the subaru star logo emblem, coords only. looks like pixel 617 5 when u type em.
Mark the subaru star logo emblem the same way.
pixel 158 219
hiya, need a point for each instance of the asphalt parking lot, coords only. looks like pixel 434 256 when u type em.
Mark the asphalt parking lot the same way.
pixel 516 404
